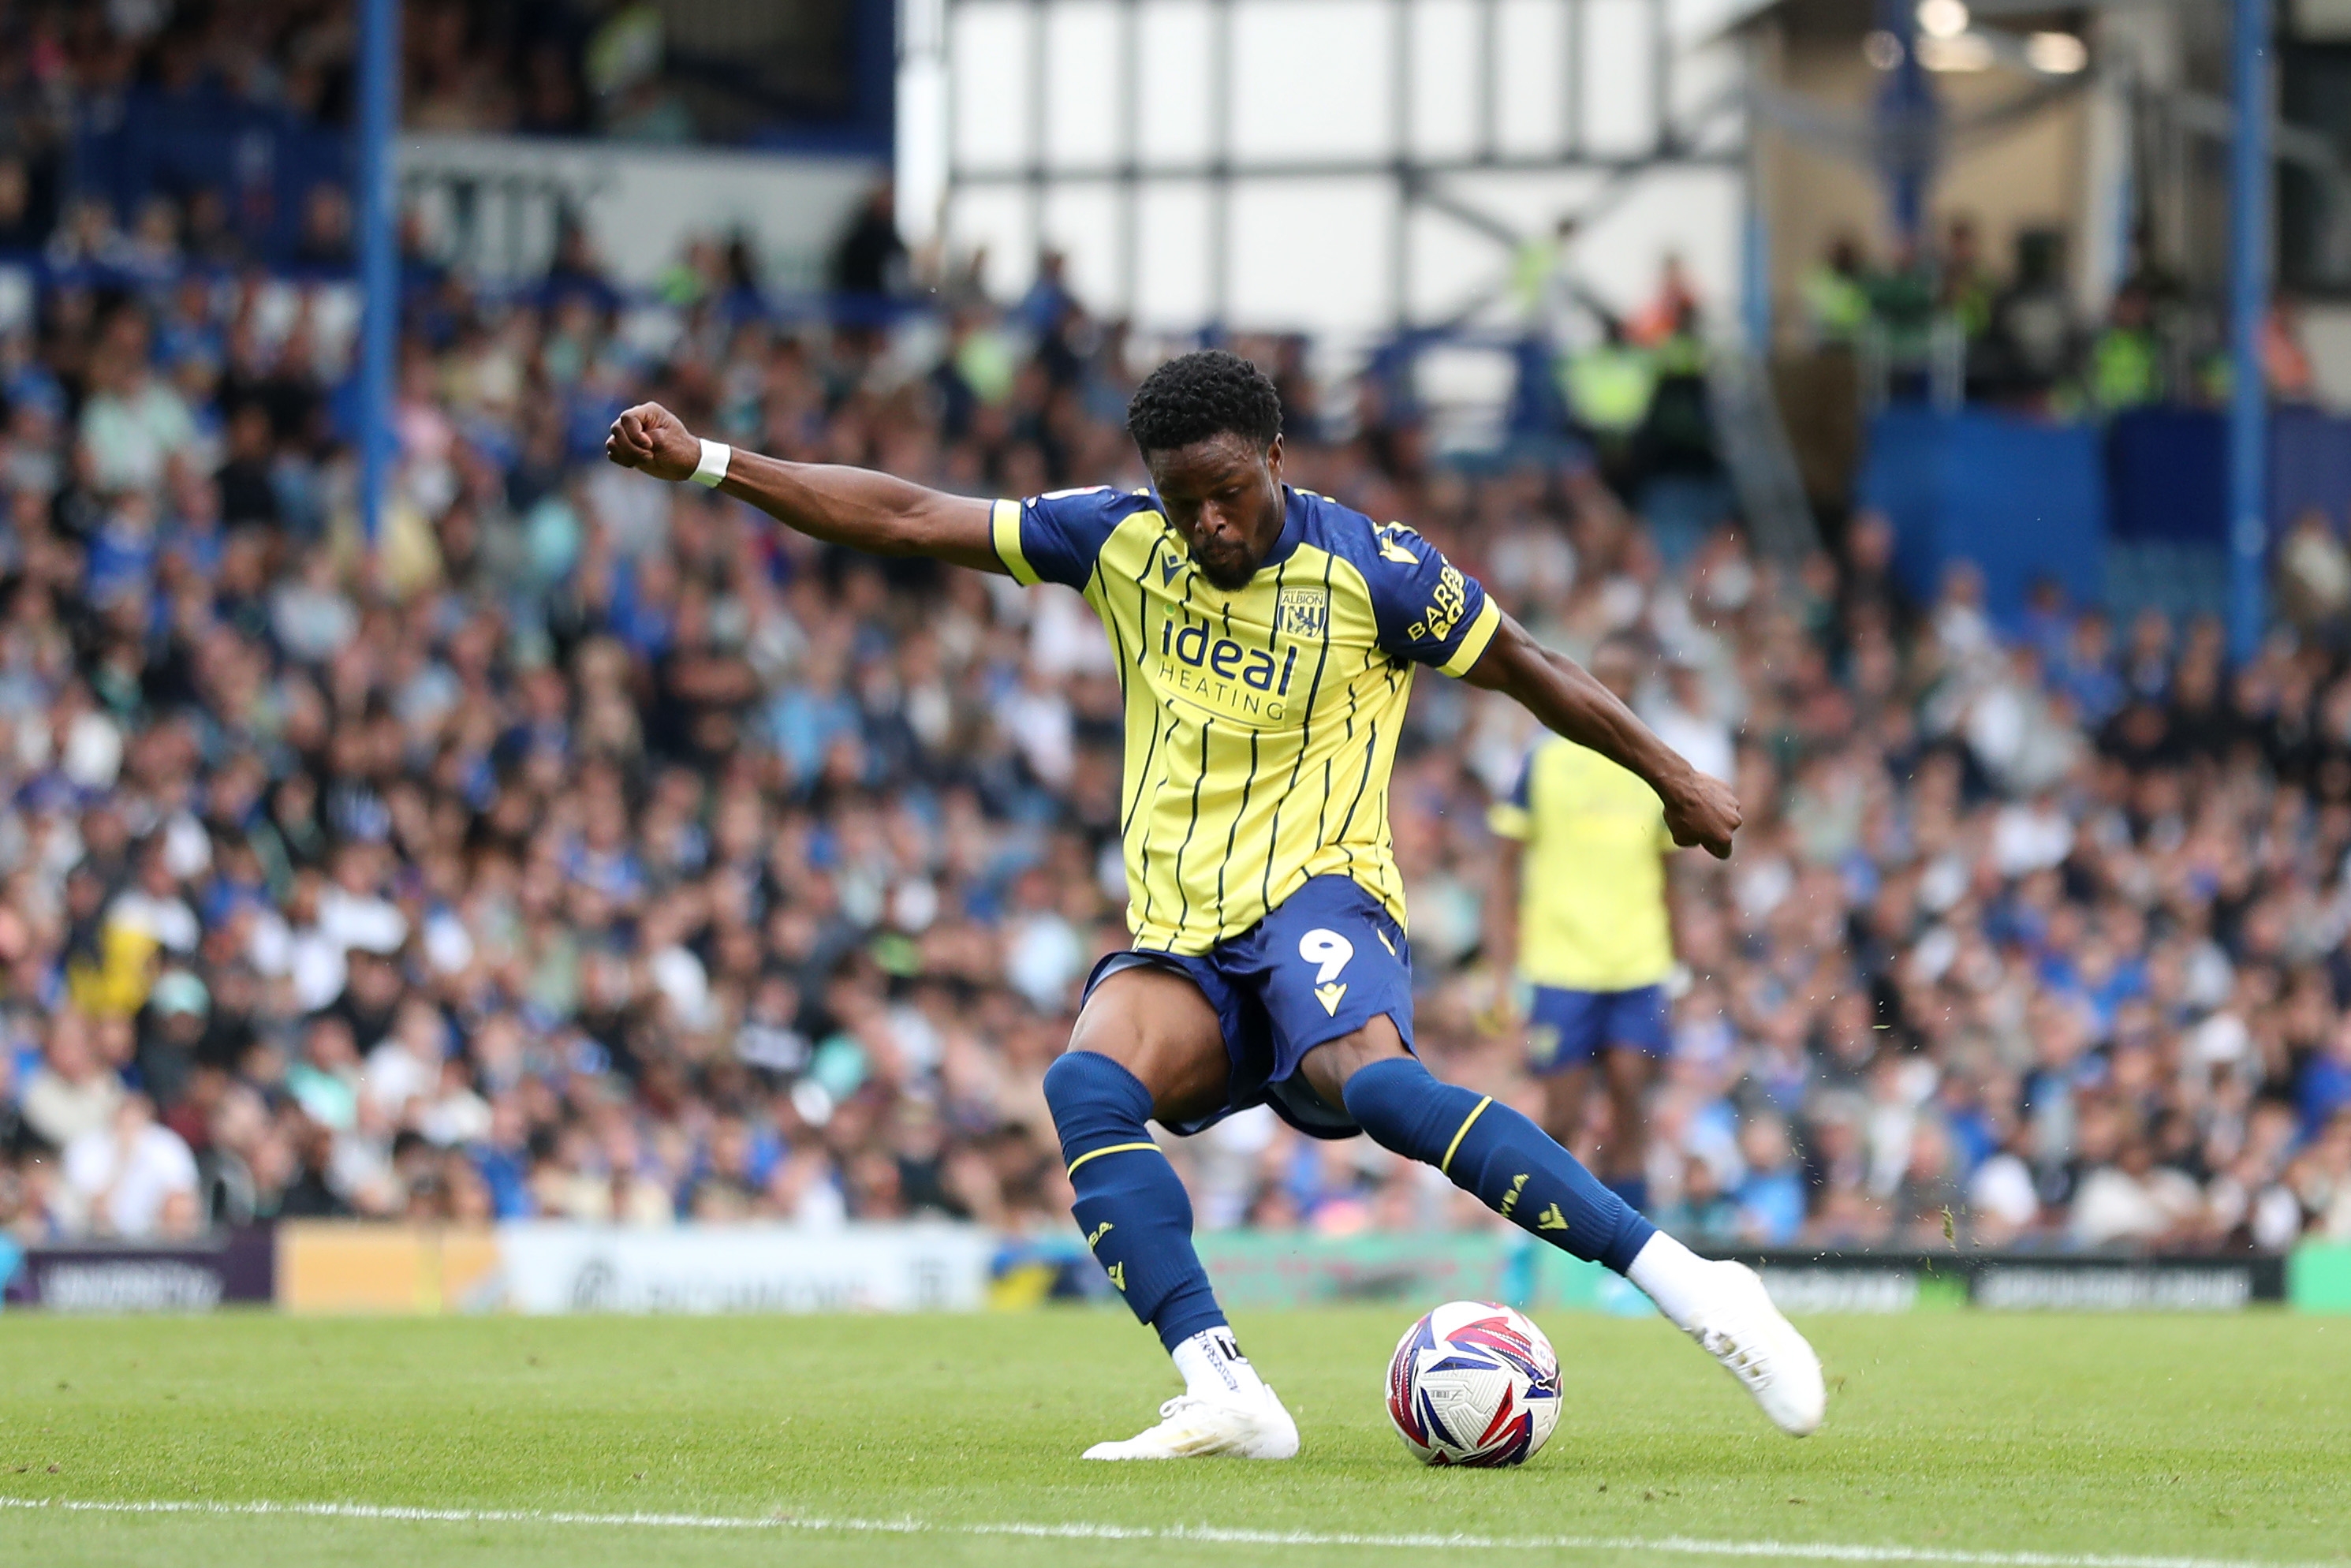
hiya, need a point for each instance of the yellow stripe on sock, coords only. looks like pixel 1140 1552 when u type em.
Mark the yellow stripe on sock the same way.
pixel 1445 1165
pixel 1121 1148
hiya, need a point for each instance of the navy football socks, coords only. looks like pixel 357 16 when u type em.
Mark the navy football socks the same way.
pixel 1130 1206
pixel 1634 1190
pixel 1509 1164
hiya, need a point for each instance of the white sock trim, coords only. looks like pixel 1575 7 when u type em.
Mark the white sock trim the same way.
pixel 1681 1283
pixel 1214 1367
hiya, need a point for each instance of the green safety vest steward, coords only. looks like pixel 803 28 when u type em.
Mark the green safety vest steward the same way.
pixel 1683 355
pixel 1530 272
pixel 1608 387
pixel 1838 305
pixel 2123 370
pixel 985 362
pixel 1972 305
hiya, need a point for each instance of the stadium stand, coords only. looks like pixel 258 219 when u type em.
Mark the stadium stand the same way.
pixel 602 850
pixel 596 848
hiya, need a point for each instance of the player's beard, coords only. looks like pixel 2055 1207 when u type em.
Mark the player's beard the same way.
pixel 1230 573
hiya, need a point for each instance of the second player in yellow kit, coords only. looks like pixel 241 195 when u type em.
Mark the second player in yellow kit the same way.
pixel 1594 938
pixel 1592 908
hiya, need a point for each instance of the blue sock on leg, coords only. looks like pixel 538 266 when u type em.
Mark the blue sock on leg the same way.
pixel 1634 1190
pixel 1131 1208
pixel 1509 1164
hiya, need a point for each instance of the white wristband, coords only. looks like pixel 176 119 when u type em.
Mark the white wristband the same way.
pixel 716 455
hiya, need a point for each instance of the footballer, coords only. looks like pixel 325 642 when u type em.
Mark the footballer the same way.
pixel 1267 640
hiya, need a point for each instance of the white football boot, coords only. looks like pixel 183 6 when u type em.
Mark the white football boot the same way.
pixel 1742 1329
pixel 1248 1426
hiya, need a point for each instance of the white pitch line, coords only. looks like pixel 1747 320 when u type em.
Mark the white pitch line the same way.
pixel 1675 1545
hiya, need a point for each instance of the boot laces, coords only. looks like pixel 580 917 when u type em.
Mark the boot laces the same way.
pixel 1746 1361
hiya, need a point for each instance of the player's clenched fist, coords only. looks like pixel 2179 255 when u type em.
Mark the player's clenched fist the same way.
pixel 1703 812
pixel 655 441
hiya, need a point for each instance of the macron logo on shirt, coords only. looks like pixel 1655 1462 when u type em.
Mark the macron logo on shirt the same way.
pixel 1169 565
pixel 1392 545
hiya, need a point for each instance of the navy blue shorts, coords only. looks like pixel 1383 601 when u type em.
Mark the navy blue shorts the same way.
pixel 1323 964
pixel 1567 1029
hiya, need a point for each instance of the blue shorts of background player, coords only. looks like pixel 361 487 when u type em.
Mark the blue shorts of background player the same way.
pixel 1567 1029
pixel 1322 965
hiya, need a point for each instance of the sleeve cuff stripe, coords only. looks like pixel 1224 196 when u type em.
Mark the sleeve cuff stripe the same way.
pixel 1473 641
pixel 1006 525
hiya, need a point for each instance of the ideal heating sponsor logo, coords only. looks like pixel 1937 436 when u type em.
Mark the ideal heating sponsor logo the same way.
pixel 1217 671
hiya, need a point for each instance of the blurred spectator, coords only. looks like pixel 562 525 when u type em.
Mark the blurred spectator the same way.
pixel 1543 284
pixel 2285 363
pixel 1667 309
pixel 623 68
pixel 1901 293
pixel 133 423
pixel 552 103
pixel 1610 385
pixel 22 225
pixel 2033 327
pixel 131 1178
pixel 1771 1198
pixel 870 258
pixel 326 239
pixel 1964 287
pixel 2313 576
pixel 2126 361
pixel 1684 719
pixel 72 1094
pixel 1836 298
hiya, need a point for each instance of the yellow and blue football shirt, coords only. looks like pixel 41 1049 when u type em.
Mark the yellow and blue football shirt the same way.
pixel 1592 888
pixel 1261 724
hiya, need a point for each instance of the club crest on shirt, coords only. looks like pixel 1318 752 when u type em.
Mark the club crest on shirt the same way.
pixel 1301 611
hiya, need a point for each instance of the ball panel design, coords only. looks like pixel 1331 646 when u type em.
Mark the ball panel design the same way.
pixel 1473 1383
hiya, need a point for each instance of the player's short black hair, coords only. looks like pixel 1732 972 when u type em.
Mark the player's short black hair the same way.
pixel 1195 396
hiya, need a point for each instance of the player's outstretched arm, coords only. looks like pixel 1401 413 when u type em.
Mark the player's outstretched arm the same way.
pixel 1563 696
pixel 853 506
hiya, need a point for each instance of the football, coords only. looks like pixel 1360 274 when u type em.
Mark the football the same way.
pixel 1473 1383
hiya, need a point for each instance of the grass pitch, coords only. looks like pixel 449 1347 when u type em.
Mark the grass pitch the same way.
pixel 2224 1438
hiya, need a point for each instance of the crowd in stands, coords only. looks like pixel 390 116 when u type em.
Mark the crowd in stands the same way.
pixel 1937 324
pixel 2017 338
pixel 230 115
pixel 595 848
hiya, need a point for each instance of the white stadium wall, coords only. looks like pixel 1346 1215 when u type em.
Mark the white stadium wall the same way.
pixel 1004 87
pixel 641 206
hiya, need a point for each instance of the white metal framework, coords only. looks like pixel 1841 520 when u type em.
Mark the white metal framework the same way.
pixel 1331 163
